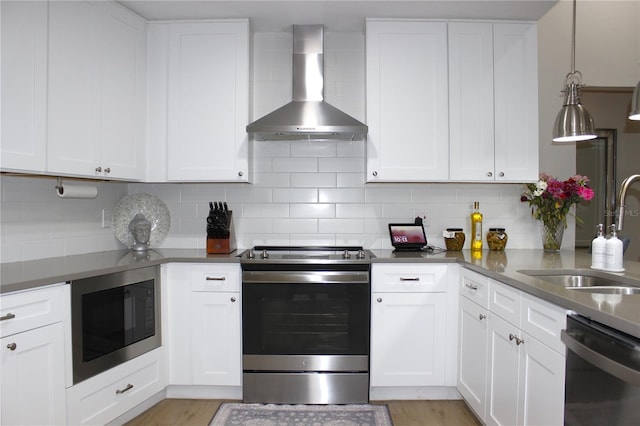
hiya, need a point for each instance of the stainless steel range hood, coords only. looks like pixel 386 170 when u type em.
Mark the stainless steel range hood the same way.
pixel 308 117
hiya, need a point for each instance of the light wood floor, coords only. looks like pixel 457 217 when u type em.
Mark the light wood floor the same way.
pixel 403 413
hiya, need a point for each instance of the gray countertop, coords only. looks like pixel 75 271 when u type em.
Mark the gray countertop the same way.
pixel 620 312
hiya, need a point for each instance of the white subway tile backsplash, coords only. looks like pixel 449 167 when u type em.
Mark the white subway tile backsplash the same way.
pixel 295 226
pixel 295 164
pixel 295 195
pixel 265 210
pixel 312 210
pixel 313 180
pixel 341 195
pixel 347 164
pixel 342 226
pixel 358 210
pixel 313 149
pixel 393 193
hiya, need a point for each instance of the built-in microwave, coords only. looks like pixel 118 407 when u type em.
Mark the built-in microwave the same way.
pixel 114 317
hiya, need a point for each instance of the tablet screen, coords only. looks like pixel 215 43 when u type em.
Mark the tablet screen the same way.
pixel 407 235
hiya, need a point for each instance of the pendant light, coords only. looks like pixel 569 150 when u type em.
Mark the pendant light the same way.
pixel 635 104
pixel 573 123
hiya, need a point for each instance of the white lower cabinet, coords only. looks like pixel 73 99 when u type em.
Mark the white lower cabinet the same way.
pixel 511 361
pixel 409 331
pixel 104 397
pixel 204 333
pixel 32 357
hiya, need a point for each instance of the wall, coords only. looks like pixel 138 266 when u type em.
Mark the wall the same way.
pixel 315 193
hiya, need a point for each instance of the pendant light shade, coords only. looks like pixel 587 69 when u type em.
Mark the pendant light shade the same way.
pixel 635 104
pixel 573 123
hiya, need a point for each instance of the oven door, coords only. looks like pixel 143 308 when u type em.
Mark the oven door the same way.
pixel 602 375
pixel 305 313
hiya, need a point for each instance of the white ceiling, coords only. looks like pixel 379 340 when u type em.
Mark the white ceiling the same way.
pixel 336 15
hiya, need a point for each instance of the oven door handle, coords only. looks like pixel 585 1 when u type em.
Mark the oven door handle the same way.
pixel 612 367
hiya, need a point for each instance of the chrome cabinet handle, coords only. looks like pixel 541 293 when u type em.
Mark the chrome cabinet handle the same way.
pixel 489 174
pixel 410 279
pixel 375 173
pixel 511 337
pixel 240 174
pixel 482 316
pixel 519 341
pixel 501 174
pixel 7 317
pixel 12 346
pixel 379 299
pixel 215 278
pixel 233 299
pixel 121 391
pixel 107 170
pixel 471 286
pixel 98 169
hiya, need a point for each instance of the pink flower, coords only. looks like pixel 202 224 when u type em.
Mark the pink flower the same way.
pixel 585 192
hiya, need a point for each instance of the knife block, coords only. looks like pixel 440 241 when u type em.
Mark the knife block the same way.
pixel 224 245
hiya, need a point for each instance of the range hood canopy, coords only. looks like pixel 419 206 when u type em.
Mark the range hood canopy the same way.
pixel 308 116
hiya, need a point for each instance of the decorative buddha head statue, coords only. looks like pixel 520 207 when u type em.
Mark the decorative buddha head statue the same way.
pixel 140 228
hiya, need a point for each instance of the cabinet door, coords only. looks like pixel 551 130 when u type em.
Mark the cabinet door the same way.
pixel 407 108
pixel 516 102
pixel 216 349
pixel 503 368
pixel 122 92
pixel 208 101
pixel 541 393
pixel 471 136
pixel 472 361
pixel 96 90
pixel 33 387
pixel 408 339
pixel 24 85
pixel 74 54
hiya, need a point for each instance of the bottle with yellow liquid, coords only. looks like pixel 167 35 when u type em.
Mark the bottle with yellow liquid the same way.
pixel 476 227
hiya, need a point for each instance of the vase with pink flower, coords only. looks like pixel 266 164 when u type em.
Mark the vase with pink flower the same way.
pixel 551 201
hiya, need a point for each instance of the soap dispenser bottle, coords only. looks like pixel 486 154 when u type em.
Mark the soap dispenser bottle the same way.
pixel 614 252
pixel 598 258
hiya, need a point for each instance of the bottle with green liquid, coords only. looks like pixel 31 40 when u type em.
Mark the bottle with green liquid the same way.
pixel 476 227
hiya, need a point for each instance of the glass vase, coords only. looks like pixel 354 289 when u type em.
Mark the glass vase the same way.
pixel 552 232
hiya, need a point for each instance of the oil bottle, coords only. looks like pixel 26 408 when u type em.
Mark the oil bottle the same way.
pixel 476 227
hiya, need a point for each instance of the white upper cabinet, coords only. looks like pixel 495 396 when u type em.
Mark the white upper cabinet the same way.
pixel 493 102
pixel 471 101
pixel 24 85
pixel 199 75
pixel 407 115
pixel 516 101
pixel 97 91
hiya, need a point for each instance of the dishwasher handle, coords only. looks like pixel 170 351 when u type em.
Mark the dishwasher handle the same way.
pixel 612 367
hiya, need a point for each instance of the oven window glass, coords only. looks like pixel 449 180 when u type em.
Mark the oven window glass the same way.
pixel 117 317
pixel 305 319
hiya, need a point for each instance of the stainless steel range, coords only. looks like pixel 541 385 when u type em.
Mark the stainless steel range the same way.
pixel 305 324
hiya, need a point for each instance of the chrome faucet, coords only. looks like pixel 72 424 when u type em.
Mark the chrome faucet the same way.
pixel 623 194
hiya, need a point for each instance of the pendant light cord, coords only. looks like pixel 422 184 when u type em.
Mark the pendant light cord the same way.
pixel 573 40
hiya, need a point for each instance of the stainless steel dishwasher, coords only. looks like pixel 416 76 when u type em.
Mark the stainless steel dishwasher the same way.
pixel 602 374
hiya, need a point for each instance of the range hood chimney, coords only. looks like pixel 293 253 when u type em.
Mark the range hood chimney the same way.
pixel 308 116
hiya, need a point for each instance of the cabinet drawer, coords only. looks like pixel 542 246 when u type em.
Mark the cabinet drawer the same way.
pixel 26 310
pixel 544 321
pixel 505 301
pixel 409 278
pixel 106 396
pixel 218 277
pixel 474 287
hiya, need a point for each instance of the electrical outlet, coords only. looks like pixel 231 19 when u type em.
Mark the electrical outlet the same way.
pixel 424 215
pixel 106 218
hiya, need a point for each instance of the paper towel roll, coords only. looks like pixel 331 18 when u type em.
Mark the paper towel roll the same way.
pixel 77 191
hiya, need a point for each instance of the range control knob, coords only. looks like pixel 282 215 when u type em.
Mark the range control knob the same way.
pixel 361 254
pixel 264 254
pixel 251 254
pixel 346 254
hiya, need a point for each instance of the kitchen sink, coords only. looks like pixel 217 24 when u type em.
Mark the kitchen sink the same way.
pixel 586 280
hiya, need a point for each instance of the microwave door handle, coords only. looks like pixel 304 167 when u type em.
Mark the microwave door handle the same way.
pixel 612 367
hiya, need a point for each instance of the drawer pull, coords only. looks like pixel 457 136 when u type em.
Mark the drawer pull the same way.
pixel 471 286
pixel 11 346
pixel 511 337
pixel 121 391
pixel 379 299
pixel 410 279
pixel 482 316
pixel 233 299
pixel 519 341
pixel 216 278
pixel 7 317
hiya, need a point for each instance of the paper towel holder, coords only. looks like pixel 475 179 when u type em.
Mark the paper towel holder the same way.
pixel 75 191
